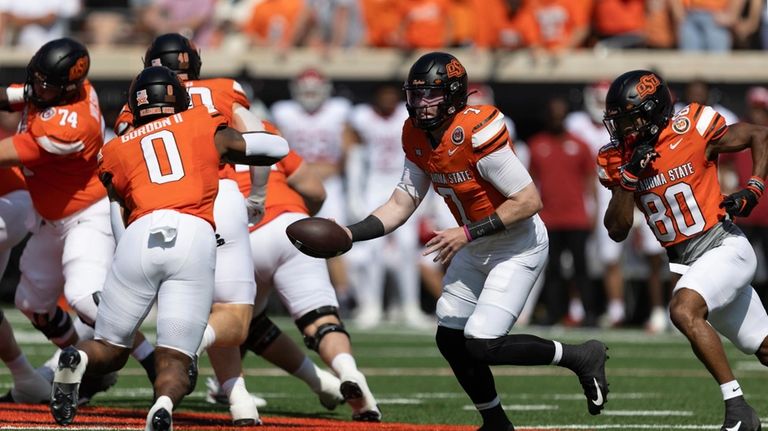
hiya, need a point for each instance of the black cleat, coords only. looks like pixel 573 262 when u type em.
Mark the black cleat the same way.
pixel 590 368
pixel 66 382
pixel 507 427
pixel 161 420
pixel 740 416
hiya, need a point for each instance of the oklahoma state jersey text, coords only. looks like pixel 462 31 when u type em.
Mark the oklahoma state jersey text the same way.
pixel 58 148
pixel 170 163
pixel 473 133
pixel 679 192
pixel 218 94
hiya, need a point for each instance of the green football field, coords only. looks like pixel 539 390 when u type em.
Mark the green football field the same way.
pixel 655 382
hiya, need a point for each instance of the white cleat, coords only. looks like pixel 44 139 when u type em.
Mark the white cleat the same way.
pixel 329 394
pixel 359 397
pixel 31 389
pixel 66 384
pixel 658 322
pixel 215 395
pixel 245 413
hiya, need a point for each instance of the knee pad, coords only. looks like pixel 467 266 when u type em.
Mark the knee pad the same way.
pixel 261 333
pixel 53 327
pixel 313 342
pixel 451 343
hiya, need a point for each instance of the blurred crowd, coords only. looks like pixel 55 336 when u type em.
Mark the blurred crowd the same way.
pixel 554 26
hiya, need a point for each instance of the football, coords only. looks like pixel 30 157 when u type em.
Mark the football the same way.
pixel 318 237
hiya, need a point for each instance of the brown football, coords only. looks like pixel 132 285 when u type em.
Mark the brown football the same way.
pixel 318 237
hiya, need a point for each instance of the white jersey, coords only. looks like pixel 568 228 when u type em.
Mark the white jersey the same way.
pixel 317 136
pixel 581 125
pixel 382 139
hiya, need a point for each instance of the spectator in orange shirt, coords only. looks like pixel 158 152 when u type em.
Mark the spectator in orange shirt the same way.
pixel 381 19
pixel 562 25
pixel 476 23
pixel 425 24
pixel 272 22
pixel 516 27
pixel 619 23
pixel 659 32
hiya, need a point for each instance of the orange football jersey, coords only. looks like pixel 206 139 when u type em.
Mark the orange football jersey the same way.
pixel 169 163
pixel 281 198
pixel 218 94
pixel 474 132
pixel 11 180
pixel 58 147
pixel 679 192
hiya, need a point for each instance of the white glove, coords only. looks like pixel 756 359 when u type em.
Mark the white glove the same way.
pixel 256 209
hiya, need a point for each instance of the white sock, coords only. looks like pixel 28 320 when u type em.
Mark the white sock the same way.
pixel 344 365
pixel 236 390
pixel 558 353
pixel 20 367
pixel 730 390
pixel 616 310
pixel 142 351
pixel 209 337
pixel 307 372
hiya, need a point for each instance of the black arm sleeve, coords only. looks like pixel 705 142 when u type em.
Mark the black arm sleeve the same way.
pixel 371 227
pixel 486 226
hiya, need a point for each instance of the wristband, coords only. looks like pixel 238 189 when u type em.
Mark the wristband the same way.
pixel 628 181
pixel 371 227
pixel 756 186
pixel 15 95
pixel 486 226
pixel 466 232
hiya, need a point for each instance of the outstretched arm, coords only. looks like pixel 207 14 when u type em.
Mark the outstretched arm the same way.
pixel 250 148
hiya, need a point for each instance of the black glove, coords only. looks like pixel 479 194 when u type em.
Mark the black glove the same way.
pixel 741 203
pixel 641 158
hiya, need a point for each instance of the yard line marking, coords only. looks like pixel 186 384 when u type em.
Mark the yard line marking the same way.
pixel 647 413
pixel 520 407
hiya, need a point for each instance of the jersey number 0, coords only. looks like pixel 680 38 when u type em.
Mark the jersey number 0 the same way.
pixel 161 154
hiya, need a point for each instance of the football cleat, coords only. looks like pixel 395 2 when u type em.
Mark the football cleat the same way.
pixel 329 394
pixel 740 416
pixel 590 368
pixel 509 427
pixel 216 395
pixel 245 413
pixel 66 382
pixel 359 397
pixel 31 389
pixel 161 420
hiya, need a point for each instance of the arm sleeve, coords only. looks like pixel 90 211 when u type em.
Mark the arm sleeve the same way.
pixel 504 170
pixel 414 181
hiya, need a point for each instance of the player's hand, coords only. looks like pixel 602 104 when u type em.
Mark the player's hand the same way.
pixel 446 244
pixel 256 209
pixel 346 229
pixel 641 158
pixel 741 203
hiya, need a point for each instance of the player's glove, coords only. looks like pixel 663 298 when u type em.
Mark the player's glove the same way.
pixel 256 209
pixel 641 158
pixel 741 203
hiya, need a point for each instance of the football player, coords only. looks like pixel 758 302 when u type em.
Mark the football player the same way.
pixel 304 286
pixel 588 125
pixel 499 248
pixel 235 288
pixel 164 175
pixel 666 164
pixel 71 246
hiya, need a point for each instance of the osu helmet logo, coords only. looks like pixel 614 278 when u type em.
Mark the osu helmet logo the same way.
pixel 647 85
pixel 455 69
pixel 79 69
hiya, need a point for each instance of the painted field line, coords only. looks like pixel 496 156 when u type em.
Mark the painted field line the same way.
pixel 625 427
pixel 521 407
pixel 647 413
